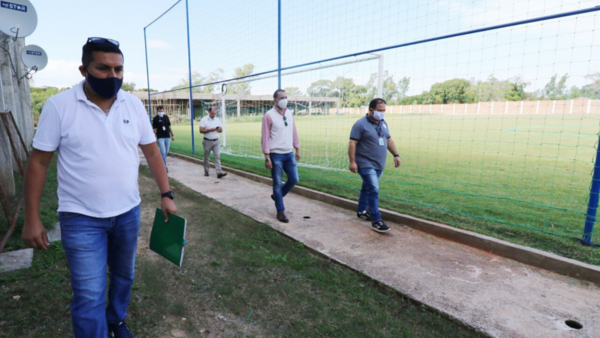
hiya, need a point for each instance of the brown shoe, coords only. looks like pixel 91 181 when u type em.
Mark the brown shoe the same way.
pixel 221 175
pixel 206 173
pixel 282 218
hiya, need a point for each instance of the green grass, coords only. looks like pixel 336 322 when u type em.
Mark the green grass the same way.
pixel 522 178
pixel 48 207
pixel 263 283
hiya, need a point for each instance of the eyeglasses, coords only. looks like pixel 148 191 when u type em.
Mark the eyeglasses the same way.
pixel 284 121
pixel 103 40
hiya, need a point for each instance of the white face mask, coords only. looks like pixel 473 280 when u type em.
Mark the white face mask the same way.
pixel 282 103
pixel 378 115
pixel 161 113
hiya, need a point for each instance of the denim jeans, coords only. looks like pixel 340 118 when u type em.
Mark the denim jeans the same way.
pixel 369 193
pixel 281 163
pixel 90 245
pixel 163 144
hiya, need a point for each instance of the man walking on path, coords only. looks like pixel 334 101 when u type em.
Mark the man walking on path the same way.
pixel 369 142
pixel 164 134
pixel 96 129
pixel 279 139
pixel 211 126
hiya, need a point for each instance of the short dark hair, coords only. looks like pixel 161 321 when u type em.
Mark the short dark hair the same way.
pixel 87 56
pixel 277 93
pixel 373 104
pixel 211 108
pixel 160 108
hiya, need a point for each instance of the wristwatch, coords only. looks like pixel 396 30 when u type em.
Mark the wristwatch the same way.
pixel 267 159
pixel 397 155
pixel 168 194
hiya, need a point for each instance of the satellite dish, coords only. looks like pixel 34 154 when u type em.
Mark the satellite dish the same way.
pixel 34 57
pixel 18 18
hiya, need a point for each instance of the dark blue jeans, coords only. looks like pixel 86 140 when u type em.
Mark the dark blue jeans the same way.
pixel 369 193
pixel 281 163
pixel 91 244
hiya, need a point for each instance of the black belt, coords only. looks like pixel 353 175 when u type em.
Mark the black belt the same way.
pixel 210 139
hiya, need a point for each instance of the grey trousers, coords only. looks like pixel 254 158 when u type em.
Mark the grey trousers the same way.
pixel 216 149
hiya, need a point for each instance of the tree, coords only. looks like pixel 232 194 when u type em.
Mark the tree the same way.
pixel 146 89
pixel 553 90
pixel 319 88
pixel 402 87
pixel 293 91
pixel 128 86
pixel 242 88
pixel 39 97
pixel 198 79
pixel 451 91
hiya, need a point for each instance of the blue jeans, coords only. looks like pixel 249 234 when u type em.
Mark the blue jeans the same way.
pixel 369 193
pixel 281 163
pixel 90 245
pixel 163 145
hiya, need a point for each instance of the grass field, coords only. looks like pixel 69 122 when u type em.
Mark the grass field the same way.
pixel 523 178
pixel 239 278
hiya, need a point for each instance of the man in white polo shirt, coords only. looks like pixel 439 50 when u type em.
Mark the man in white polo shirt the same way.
pixel 211 126
pixel 279 139
pixel 96 129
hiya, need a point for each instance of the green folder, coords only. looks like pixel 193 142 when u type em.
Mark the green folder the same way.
pixel 168 239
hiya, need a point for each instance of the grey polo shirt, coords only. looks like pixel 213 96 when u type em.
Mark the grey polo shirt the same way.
pixel 369 152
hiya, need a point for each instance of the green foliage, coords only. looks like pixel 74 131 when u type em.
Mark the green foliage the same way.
pixel 243 88
pixel 198 79
pixel 39 97
pixel 293 91
pixel 146 89
pixel 128 86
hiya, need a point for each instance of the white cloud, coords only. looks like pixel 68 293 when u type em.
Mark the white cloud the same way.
pixel 159 44
pixel 58 73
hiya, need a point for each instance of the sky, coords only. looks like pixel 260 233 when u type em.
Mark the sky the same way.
pixel 64 26
pixel 227 34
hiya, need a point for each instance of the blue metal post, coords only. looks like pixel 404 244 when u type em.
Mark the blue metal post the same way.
pixel 278 43
pixel 590 217
pixel 187 17
pixel 148 76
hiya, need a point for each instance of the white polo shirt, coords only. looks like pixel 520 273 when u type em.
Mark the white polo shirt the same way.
pixel 207 123
pixel 98 159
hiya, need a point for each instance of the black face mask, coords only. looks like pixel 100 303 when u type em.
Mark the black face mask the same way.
pixel 107 88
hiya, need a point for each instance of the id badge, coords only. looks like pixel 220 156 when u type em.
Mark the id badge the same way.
pixel 381 141
pixel 164 128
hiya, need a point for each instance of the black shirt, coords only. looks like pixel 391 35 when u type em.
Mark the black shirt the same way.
pixel 161 124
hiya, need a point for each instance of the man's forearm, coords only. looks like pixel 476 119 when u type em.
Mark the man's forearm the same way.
pixel 392 147
pixel 158 170
pixel 35 178
pixel 351 152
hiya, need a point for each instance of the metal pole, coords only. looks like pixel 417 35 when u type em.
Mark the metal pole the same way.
pixel 590 217
pixel 187 18
pixel 380 77
pixel 279 44
pixel 148 77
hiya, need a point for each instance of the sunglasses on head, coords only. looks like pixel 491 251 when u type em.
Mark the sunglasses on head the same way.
pixel 103 40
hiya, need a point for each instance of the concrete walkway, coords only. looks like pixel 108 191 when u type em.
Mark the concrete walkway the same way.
pixel 496 295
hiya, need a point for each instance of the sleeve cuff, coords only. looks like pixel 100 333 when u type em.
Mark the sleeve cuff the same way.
pixel 43 147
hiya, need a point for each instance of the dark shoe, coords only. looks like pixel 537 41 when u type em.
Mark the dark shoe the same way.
pixel 221 175
pixel 363 215
pixel 379 226
pixel 119 330
pixel 282 218
pixel 206 173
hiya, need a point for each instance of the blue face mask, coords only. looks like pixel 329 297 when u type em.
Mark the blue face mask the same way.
pixel 107 88
pixel 378 115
